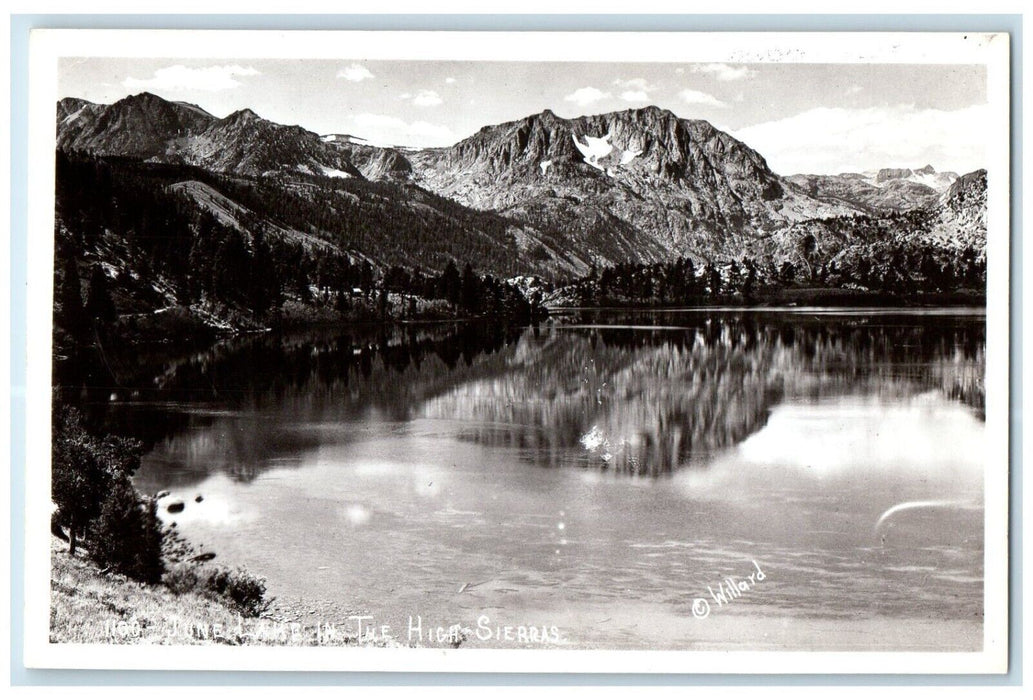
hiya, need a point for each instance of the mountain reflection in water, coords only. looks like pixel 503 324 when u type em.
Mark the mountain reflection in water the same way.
pixel 646 393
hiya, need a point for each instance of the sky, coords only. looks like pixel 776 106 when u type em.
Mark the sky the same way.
pixel 803 118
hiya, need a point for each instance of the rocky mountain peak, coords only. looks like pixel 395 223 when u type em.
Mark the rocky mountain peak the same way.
pixel 886 174
pixel 245 116
pixel 142 98
pixel 147 105
pixel 71 104
pixel 959 216
pixel 968 191
pixel 648 142
pixel 71 108
pixel 138 125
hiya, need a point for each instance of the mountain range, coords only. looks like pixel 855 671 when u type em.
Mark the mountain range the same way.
pixel 878 192
pixel 540 195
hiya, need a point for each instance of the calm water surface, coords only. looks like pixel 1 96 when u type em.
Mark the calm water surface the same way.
pixel 598 473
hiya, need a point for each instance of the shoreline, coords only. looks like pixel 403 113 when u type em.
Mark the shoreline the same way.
pixel 556 312
pixel 88 606
pixel 822 297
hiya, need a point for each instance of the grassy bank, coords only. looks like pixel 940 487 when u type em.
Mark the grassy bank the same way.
pixel 88 606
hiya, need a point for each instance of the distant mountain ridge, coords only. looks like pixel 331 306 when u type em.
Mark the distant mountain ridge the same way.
pixel 926 175
pixel 639 185
pixel 879 191
pixel 148 127
pixel 631 184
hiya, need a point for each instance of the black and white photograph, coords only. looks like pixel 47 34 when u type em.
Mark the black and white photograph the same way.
pixel 519 351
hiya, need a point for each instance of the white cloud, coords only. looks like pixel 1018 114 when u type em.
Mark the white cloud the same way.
pixel 829 140
pixel 449 80
pixel 634 84
pixel 725 72
pixel 587 95
pixel 854 89
pixel 426 98
pixel 635 89
pixel 385 130
pixel 179 77
pixel 355 73
pixel 695 97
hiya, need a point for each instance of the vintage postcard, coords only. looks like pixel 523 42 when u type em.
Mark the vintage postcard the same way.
pixel 534 352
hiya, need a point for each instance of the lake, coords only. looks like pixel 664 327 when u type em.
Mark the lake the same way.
pixel 592 478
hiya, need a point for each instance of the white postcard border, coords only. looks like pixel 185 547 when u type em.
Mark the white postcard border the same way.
pixel 47 46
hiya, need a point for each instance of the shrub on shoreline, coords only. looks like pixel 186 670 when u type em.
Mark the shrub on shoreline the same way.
pixel 127 537
pixel 245 590
pixel 241 590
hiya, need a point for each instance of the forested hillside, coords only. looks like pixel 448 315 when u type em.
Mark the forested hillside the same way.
pixel 155 248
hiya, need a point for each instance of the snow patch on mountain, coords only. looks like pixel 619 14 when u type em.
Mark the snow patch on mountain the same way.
pixel 629 156
pixel 544 165
pixel 343 138
pixel 74 115
pixel 928 176
pixel 333 172
pixel 938 181
pixel 594 148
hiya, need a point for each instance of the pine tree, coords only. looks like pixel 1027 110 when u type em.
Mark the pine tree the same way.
pixel 713 279
pixel 471 290
pixel 264 283
pixel 750 281
pixel 128 536
pixel 83 468
pixel 689 277
pixel 78 478
pixel 99 306
pixel 73 314
pixel 450 284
